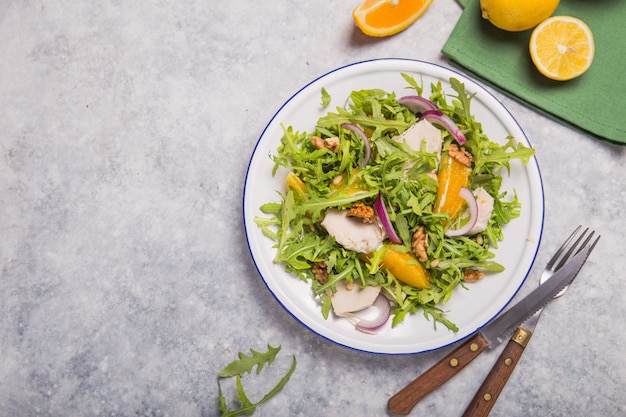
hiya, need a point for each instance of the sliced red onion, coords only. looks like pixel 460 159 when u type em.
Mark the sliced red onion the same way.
pixel 360 132
pixel 381 212
pixel 437 117
pixel 468 196
pixel 417 104
pixel 383 306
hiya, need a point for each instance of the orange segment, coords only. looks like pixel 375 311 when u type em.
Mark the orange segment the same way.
pixel 293 181
pixel 452 176
pixel 406 268
pixel 350 189
pixel 388 17
pixel 562 47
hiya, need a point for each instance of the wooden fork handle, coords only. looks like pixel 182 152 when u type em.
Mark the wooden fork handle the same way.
pixel 403 402
pixel 490 390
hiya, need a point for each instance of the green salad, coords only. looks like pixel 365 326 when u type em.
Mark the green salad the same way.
pixel 417 175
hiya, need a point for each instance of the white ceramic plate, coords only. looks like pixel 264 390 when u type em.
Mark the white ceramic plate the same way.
pixel 468 309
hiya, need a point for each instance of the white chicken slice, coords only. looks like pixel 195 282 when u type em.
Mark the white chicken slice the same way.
pixel 351 300
pixel 352 233
pixel 485 208
pixel 422 132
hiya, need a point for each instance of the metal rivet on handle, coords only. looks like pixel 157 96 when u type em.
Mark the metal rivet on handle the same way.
pixel 508 361
pixel 487 397
pixel 474 347
pixel 454 362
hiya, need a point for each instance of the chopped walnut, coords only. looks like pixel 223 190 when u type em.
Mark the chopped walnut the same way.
pixel 460 154
pixel 472 275
pixel 317 142
pixel 419 244
pixel 330 143
pixel 360 210
pixel 320 272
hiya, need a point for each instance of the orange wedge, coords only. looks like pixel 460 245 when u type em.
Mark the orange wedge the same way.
pixel 388 17
pixel 350 189
pixel 452 176
pixel 293 181
pixel 406 268
pixel 562 47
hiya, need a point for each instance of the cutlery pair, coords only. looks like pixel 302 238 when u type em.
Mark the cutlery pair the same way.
pixel 522 318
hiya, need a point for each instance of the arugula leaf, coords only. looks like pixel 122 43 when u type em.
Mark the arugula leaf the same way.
pixel 411 81
pixel 462 104
pixel 244 365
pixel 500 156
pixel 325 98
pixel 246 404
pixel 247 362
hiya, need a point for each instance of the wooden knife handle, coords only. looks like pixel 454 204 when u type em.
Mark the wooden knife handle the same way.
pixel 403 402
pixel 490 390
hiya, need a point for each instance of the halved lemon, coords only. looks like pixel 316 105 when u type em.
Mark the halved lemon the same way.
pixel 562 47
pixel 388 17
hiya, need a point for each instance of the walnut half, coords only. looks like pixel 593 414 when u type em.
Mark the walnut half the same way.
pixel 472 275
pixel 320 272
pixel 360 210
pixel 419 244
pixel 460 154
pixel 330 143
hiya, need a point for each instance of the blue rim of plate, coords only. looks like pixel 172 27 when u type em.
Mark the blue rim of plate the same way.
pixel 472 86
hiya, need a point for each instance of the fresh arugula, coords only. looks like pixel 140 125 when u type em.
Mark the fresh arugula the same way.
pixel 239 368
pixel 326 98
pixel 300 241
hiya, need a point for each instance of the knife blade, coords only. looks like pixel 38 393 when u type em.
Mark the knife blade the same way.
pixel 489 336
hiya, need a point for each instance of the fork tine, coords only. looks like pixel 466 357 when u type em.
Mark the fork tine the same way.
pixel 586 242
pixel 584 247
pixel 573 249
pixel 558 253
pixel 593 245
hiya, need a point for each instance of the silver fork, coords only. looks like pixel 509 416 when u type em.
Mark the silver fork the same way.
pixel 491 388
pixel 564 253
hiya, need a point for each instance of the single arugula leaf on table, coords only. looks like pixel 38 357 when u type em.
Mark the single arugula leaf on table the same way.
pixel 243 365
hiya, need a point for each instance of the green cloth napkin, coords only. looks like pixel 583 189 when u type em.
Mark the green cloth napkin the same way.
pixel 594 103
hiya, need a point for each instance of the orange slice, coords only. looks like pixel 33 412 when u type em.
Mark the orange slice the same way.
pixel 349 189
pixel 403 266
pixel 562 47
pixel 406 268
pixel 388 17
pixel 452 176
pixel 293 181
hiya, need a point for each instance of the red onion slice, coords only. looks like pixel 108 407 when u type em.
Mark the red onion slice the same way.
pixel 417 104
pixel 381 212
pixel 437 117
pixel 383 306
pixel 360 132
pixel 468 196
